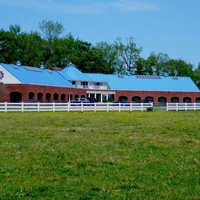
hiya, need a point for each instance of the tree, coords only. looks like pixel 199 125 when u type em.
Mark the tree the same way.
pixel 8 47
pixel 128 54
pixel 179 68
pixel 24 47
pixel 15 29
pixel 108 56
pixel 142 67
pixel 29 49
pixel 68 49
pixel 196 76
pixel 50 29
pixel 157 63
pixel 82 55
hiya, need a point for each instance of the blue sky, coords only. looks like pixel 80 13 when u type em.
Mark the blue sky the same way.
pixel 159 26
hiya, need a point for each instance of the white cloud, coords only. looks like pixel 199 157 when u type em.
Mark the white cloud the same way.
pixel 82 7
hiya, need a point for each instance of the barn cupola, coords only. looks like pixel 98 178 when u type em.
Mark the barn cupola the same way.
pixel 41 66
pixel 18 63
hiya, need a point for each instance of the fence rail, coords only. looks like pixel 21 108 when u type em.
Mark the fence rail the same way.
pixel 55 107
pixel 183 106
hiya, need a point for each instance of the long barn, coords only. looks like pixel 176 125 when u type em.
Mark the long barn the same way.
pixel 20 83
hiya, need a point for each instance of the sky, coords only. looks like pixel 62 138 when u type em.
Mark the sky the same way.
pixel 171 27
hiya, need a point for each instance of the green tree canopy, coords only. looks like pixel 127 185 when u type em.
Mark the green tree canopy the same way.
pixel 128 54
pixel 15 29
pixel 50 29
pixel 118 57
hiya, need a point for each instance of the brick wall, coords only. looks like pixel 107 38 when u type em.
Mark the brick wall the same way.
pixel 25 89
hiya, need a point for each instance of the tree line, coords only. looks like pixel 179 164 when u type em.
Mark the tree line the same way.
pixel 53 50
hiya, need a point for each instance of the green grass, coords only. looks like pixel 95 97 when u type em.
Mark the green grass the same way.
pixel 114 155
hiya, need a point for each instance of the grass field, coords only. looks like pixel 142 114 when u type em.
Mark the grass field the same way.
pixel 115 155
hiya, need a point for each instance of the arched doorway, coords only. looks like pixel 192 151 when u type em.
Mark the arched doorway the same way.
pixel 148 99
pixel 39 97
pixel 174 100
pixel 15 97
pixel 197 100
pixel 187 100
pixel 76 96
pixel 162 101
pixel 136 99
pixel 122 98
pixel 48 98
pixel 31 97
pixel 55 98
pixel 63 98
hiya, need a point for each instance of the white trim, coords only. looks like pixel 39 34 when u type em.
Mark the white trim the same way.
pixel 100 92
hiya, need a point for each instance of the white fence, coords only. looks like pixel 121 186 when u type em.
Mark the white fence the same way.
pixel 54 107
pixel 183 106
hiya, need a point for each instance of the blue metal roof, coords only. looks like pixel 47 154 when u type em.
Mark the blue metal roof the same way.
pixel 33 75
pixel 74 73
pixel 147 83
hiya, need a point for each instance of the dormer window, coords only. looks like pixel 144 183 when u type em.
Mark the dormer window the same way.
pixel 98 84
pixel 84 83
